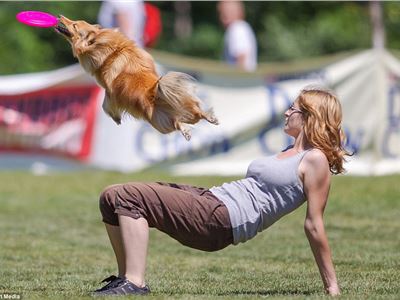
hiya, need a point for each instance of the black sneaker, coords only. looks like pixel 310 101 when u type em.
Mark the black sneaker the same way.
pixel 124 287
pixel 113 281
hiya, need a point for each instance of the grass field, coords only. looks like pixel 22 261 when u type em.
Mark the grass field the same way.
pixel 54 246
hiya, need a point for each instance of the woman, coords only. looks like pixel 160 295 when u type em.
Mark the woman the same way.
pixel 211 219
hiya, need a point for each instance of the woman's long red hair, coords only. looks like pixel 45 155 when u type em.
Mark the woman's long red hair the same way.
pixel 322 113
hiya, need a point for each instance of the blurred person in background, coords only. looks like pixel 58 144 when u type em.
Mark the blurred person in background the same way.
pixel 128 16
pixel 240 44
pixel 234 212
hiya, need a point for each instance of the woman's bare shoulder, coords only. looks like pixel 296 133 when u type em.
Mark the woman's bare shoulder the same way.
pixel 315 157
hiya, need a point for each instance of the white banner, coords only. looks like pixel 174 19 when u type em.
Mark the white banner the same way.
pixel 251 118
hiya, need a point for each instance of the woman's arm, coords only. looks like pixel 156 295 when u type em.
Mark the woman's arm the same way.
pixel 316 179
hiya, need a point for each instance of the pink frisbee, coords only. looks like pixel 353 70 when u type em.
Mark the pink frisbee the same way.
pixel 37 18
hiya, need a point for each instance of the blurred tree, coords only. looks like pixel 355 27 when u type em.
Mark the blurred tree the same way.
pixel 285 30
pixel 31 49
pixel 206 38
pixel 391 19
pixel 310 29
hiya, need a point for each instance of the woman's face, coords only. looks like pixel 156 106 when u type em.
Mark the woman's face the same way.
pixel 293 120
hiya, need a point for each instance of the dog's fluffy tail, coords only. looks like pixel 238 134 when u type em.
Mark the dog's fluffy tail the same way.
pixel 175 88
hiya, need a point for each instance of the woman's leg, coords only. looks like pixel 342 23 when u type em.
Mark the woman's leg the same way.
pixel 114 234
pixel 135 238
pixel 191 215
pixel 130 237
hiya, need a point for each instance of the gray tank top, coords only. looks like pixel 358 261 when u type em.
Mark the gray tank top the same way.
pixel 271 189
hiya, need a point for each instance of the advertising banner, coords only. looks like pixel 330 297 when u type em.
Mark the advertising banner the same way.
pixel 249 107
pixel 50 121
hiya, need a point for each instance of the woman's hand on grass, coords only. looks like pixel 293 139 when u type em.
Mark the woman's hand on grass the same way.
pixel 333 290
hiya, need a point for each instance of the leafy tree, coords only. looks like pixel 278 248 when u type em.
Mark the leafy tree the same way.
pixel 28 49
pixel 313 30
pixel 284 30
pixel 392 24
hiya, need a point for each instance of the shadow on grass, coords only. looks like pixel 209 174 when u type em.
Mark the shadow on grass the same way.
pixel 271 292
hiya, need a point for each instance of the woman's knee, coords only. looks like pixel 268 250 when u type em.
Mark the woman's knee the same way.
pixel 107 198
pixel 107 204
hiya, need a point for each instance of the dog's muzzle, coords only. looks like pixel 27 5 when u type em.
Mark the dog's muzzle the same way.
pixel 61 28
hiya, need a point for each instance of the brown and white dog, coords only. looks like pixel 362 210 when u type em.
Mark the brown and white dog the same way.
pixel 128 75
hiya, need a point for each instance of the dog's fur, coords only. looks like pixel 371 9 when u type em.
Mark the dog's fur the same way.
pixel 128 75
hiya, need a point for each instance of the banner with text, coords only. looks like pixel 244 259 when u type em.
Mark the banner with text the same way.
pixel 250 115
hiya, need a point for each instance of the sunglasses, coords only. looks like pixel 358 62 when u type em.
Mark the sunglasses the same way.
pixel 292 109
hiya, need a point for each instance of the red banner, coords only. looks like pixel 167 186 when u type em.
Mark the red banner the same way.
pixel 56 120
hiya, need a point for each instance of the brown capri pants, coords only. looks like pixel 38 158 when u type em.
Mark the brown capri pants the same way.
pixel 191 215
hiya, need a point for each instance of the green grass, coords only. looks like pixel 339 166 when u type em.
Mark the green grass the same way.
pixel 53 244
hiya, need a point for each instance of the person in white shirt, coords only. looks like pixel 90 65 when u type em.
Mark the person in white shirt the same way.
pixel 240 44
pixel 128 16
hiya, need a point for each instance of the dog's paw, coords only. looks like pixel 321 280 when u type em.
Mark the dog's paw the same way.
pixel 117 120
pixel 213 120
pixel 210 117
pixel 186 133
